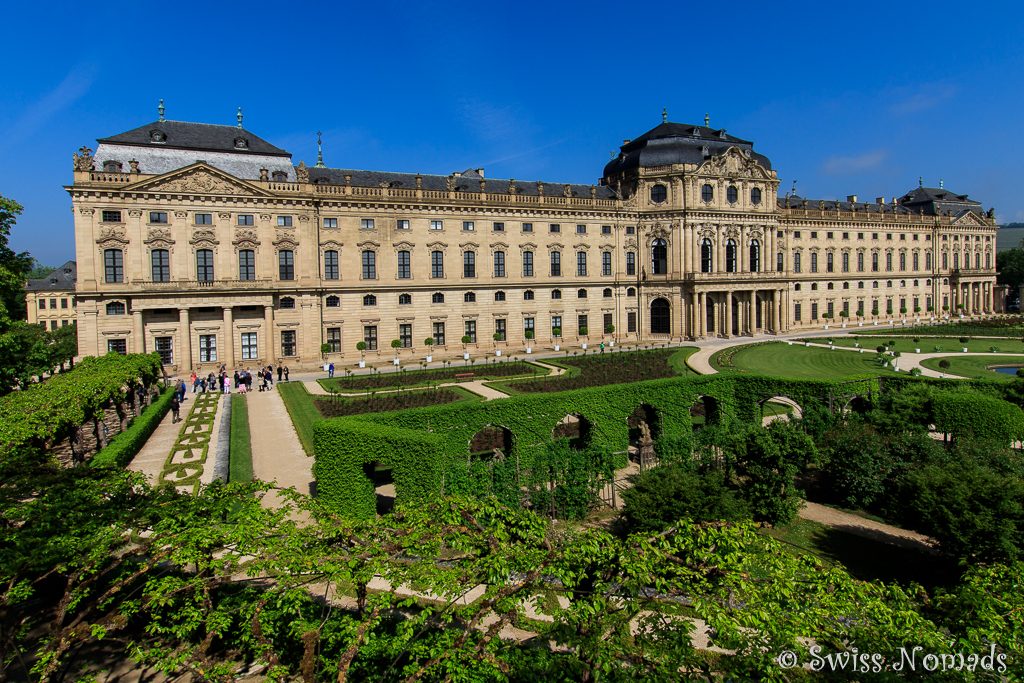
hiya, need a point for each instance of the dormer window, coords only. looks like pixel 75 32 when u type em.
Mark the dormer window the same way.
pixel 241 143
pixel 279 176
pixel 157 136
pixel 112 166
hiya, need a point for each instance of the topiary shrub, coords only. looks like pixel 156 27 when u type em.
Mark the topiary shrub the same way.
pixel 662 496
pixel 944 364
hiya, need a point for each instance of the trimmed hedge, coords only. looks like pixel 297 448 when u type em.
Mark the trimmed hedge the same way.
pixel 126 445
pixel 428 448
pixel 969 413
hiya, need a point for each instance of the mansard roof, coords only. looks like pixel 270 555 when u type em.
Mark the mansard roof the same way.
pixel 468 181
pixel 792 201
pixel 935 201
pixel 60 279
pixel 195 136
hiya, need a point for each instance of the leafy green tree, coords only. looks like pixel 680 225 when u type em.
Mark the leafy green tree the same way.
pixel 1010 267
pixel 858 465
pixel 24 353
pixel 661 496
pixel 13 266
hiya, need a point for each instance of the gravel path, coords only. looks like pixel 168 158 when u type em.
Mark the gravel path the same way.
pixel 867 528
pixel 152 456
pixel 277 455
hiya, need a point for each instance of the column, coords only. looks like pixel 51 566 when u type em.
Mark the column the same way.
pixel 742 260
pixel 776 312
pixel 727 332
pixel 686 253
pixel 692 318
pixel 229 334
pixel 138 334
pixel 268 335
pixel 719 253
pixel 184 341
pixel 751 314
pixel 702 314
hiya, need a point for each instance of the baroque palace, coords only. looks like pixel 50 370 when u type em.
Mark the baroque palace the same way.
pixel 205 243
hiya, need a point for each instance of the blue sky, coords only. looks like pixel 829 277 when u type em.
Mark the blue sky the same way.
pixel 844 99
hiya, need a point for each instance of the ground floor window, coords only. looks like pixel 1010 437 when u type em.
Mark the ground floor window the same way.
pixel 165 347
pixel 117 346
pixel 528 325
pixel 334 339
pixel 796 312
pixel 499 328
pixel 207 348
pixel 608 322
pixel 556 326
pixel 814 311
pixel 370 337
pixel 439 334
pixel 288 342
pixel 581 325
pixel 888 306
pixel 471 331
pixel 249 351
pixel 830 309
pixel 405 335
pixel 631 321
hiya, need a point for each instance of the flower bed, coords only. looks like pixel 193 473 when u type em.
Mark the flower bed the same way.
pixel 407 378
pixel 600 369
pixel 339 407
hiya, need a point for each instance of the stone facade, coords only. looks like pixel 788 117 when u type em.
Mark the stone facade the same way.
pixel 210 268
pixel 50 301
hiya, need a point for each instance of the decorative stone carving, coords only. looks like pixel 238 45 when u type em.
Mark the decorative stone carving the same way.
pixel 733 163
pixel 205 237
pixel 567 190
pixel 593 192
pixel 135 213
pixel 248 237
pixel 133 165
pixel 302 173
pixel 419 181
pixel 111 233
pixel 450 183
pixel 199 181
pixel 285 238
pixel 83 160
pixel 156 234
pixel 540 189
pixel 264 174
pixel 180 214
pixel 512 186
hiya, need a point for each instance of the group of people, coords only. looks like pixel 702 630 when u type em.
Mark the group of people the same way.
pixel 221 381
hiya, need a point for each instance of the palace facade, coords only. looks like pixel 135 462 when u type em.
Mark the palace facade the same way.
pixel 205 243
pixel 50 301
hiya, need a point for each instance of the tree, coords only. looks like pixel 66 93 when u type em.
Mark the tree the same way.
pixel 63 345
pixel 24 353
pixel 1010 267
pixel 13 267
pixel 661 496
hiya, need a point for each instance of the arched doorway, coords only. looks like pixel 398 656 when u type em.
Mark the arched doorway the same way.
pixel 704 411
pixel 661 317
pixel 491 443
pixel 383 485
pixel 575 428
pixel 779 408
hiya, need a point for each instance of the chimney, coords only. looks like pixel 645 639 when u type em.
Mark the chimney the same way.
pixel 480 172
pixel 879 200
pixel 852 198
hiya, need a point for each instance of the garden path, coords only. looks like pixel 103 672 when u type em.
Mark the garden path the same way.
pixel 867 528
pixel 277 454
pixel 700 362
pixel 909 361
pixel 151 457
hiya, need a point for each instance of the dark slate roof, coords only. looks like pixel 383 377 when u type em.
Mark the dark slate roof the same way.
pixel 197 136
pixel 469 181
pixel 59 280
pixel 935 201
pixel 677 143
pixel 796 202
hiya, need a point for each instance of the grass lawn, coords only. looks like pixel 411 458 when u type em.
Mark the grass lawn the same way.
pixel 779 359
pixel 390 379
pixel 610 367
pixel 865 558
pixel 302 411
pixel 1005 327
pixel 929 344
pixel 240 463
pixel 975 367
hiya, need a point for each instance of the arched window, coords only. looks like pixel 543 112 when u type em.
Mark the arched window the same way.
pixel 706 256
pixel 659 257
pixel 661 318
pixel 607 293
pixel 160 260
pixel 368 300
pixel 659 193
pixel 204 265
pixel 977 260
pixel 797 265
pixel 469 297
pixel 631 291
pixel 333 302
pixel 247 264
pixel 581 294
pixel 115 308
pixel 437 298
pixel 732 195
pixel 755 196
pixel 707 193
pixel 730 256
pixel 630 263
pixel 903 261
pixel 528 295
pixel 556 294
pixel 755 256
pixel 499 295
pixel 288 302
pixel 113 265
pixel 404 299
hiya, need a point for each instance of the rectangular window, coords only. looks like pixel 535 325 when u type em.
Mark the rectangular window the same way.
pixel 331 264
pixel 245 219
pixel 606 229
pixel 204 265
pixel 888 306
pixel 284 221
pixel 630 230
pixel 527 264
pixel 42 304
pixel 814 234
pixel 499 264
pixel 796 262
pixel 500 328
pixel 631 322
pixel 607 322
pixel 830 265
pixel 437 264
pixel 53 304
pixel 581 324
pixel 370 337
pixel 157 216
pixel 250 350
pixel 556 326
pixel 334 339
pixel 498 227
pixel 403 224
pixel 437 225
pixel 780 262
pixel 554 227
pixel 204 219
pixel 63 303
pixel 366 224
pixel 286 264
pixel 846 235
pixel 287 342
pixel 246 264
pixel 528 325
pixel 111 216
pixel 330 222
pixel 630 263
pixel 468 226
pixel 581 230
pixel 117 346
pixel 527 227
pixel 814 311
pixel 888 262
pixel 469 264
pixel 470 331
pixel 874 263
pixel 828 235
pixel 846 263
pixel 207 348
pixel 438 334
pixel 830 309
pixel 606 263
pixel 581 263
pixel 404 265
pixel 796 234
pixel 860 262
pixel 369 265
pixel 113 265
pixel 796 312
pixel 164 347
pixel 556 263
pixel 405 335
pixel 814 262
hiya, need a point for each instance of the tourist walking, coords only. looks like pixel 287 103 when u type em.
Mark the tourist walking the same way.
pixel 286 373
pixel 280 372
pixel 175 409
pixel 330 370
pixel 227 384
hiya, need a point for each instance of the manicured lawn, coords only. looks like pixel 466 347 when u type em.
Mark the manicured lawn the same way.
pixel 302 411
pixel 610 367
pixel 390 379
pixel 864 558
pixel 975 367
pixel 240 464
pixel 928 344
pixel 779 359
pixel 1008 327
